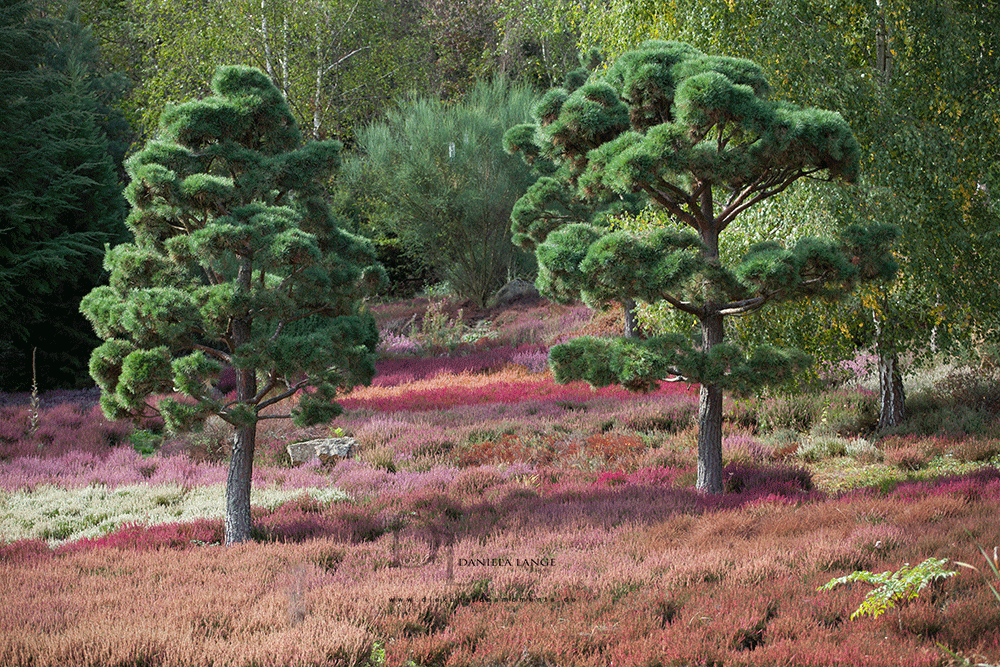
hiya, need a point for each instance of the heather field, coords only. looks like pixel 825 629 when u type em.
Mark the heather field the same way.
pixel 494 517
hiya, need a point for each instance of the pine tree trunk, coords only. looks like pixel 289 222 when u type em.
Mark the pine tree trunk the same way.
pixel 240 475
pixel 710 399
pixel 238 485
pixel 710 417
pixel 891 393
pixel 631 329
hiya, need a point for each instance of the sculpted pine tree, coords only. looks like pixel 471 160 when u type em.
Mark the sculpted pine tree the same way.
pixel 699 138
pixel 237 260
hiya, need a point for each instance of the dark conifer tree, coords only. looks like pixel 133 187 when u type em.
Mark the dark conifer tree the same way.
pixel 60 199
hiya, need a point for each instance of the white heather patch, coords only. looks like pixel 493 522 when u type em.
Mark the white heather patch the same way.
pixel 63 515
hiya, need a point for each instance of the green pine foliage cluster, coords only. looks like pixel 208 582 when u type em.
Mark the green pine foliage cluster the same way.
pixel 237 260
pixel 712 132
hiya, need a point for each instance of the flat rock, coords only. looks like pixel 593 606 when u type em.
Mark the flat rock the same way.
pixel 329 450
pixel 515 290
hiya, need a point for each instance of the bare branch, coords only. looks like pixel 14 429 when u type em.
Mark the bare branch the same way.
pixel 669 200
pixel 720 144
pixel 271 382
pixel 155 410
pixel 745 306
pixel 283 395
pixel 212 352
pixel 292 274
pixel 699 136
pixel 682 306
pixel 760 190
pixel 343 58
pixel 277 331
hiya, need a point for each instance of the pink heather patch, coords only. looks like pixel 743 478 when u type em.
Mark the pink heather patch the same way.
pixel 123 466
pixel 393 372
pixel 536 361
pixel 394 343
pixel 71 470
pixel 182 470
pixel 745 447
pixel 63 428
pixel 361 480
pixel 311 474
pixel 978 485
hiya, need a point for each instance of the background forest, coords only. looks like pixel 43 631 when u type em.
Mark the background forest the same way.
pixel 84 83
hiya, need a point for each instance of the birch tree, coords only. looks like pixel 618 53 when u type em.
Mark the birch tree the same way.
pixel 337 62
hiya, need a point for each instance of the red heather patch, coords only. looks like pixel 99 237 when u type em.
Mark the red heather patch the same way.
pixel 138 537
pixel 20 551
pixel 508 386
pixel 656 477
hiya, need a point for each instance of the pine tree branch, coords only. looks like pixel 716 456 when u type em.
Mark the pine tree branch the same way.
pixel 683 306
pixel 761 189
pixel 292 389
pixel 671 199
pixel 271 382
pixel 744 307
pixel 212 352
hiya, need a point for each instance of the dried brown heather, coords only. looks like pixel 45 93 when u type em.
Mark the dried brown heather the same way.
pixel 729 587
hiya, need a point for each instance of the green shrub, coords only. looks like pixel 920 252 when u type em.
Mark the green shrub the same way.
pixel 783 443
pixel 977 449
pixel 438 330
pixel 145 442
pixel 450 183
pixel 839 412
pixel 972 388
pixel 815 448
pixel 929 413
pixel 672 419
pixel 864 451
pixel 742 413
pixel 795 412
pixel 848 413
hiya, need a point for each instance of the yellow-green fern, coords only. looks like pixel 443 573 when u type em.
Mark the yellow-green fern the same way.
pixel 893 587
